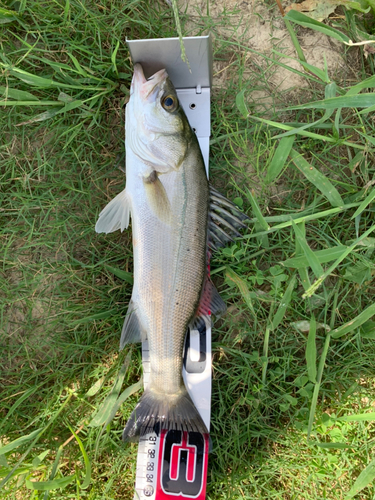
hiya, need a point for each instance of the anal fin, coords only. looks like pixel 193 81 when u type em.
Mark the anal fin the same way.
pixel 210 303
pixel 132 330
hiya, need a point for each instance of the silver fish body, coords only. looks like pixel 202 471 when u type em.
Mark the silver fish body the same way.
pixel 169 266
pixel 170 201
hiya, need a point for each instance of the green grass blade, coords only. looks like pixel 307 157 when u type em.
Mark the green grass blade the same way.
pixel 116 405
pixel 360 417
pixel 316 71
pixel 265 355
pixel 129 391
pixel 365 111
pixel 87 480
pixel 29 392
pixel 50 114
pixel 309 254
pixel 305 218
pixel 329 271
pixel 279 158
pixel 284 303
pixel 257 213
pixel 355 323
pixel 346 101
pixel 54 484
pixel 308 22
pixel 124 275
pixel 306 133
pixel 319 180
pixel 31 103
pixel 321 74
pixel 311 351
pixel 318 383
pixel 95 388
pixel 19 442
pixel 66 10
pixel 95 317
pixel 241 104
pixel 18 95
pixel 78 67
pixel 363 480
pixel 333 446
pixel 295 41
pixel 365 84
pixel 303 270
pixel 7 16
pixel 113 57
pixel 242 286
pixel 364 204
pixel 106 408
pixel 299 130
pixel 42 82
pixel 322 256
pixel 30 79
pixel 54 467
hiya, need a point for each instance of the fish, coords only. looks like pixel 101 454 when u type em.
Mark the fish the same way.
pixel 178 221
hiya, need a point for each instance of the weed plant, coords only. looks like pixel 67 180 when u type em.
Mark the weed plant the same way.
pixel 293 374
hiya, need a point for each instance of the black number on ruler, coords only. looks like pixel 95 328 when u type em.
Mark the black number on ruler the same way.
pixel 149 478
pixel 150 466
pixel 151 453
pixel 152 439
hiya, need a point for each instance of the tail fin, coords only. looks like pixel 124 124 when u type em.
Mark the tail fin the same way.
pixel 157 411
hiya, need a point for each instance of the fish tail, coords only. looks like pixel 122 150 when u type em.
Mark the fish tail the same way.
pixel 157 411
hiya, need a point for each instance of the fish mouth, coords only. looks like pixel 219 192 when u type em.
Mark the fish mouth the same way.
pixel 146 89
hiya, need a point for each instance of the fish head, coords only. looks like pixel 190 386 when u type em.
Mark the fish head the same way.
pixel 157 129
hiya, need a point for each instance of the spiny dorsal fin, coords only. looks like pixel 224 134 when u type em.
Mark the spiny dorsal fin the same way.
pixel 224 221
pixel 115 215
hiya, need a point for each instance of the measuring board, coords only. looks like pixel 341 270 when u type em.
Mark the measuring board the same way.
pixel 174 464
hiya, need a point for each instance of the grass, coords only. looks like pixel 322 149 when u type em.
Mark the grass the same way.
pixel 293 385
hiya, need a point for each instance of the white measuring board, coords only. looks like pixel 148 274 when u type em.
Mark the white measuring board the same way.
pixel 174 464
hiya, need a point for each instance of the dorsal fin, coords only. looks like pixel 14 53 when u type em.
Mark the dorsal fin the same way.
pixel 224 220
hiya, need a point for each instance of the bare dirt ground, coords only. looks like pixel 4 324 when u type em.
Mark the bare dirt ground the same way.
pixel 260 27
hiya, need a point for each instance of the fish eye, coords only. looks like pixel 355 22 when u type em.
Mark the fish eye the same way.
pixel 169 103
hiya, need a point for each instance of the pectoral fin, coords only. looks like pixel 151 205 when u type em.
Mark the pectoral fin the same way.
pixel 157 198
pixel 115 215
